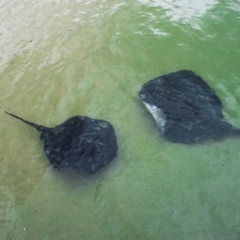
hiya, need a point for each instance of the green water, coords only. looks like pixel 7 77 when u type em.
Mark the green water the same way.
pixel 64 58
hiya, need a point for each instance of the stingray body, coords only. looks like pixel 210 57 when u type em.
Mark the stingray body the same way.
pixel 185 108
pixel 79 142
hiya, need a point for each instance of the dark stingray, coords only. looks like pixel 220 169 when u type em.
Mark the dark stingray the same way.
pixel 79 142
pixel 185 108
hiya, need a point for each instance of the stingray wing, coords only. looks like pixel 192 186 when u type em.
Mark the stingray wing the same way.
pixel 182 97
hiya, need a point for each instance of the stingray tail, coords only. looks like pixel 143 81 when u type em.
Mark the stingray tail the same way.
pixel 230 129
pixel 38 127
pixel 235 130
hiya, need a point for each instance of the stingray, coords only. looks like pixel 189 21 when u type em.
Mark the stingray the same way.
pixel 185 108
pixel 79 142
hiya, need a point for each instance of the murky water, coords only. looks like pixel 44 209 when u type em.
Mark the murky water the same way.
pixel 64 58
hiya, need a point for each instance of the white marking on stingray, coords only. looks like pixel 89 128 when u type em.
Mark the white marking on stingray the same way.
pixel 158 115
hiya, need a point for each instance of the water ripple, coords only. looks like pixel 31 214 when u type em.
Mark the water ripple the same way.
pixel 185 11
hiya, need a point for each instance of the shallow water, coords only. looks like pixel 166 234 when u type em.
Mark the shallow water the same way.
pixel 64 58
